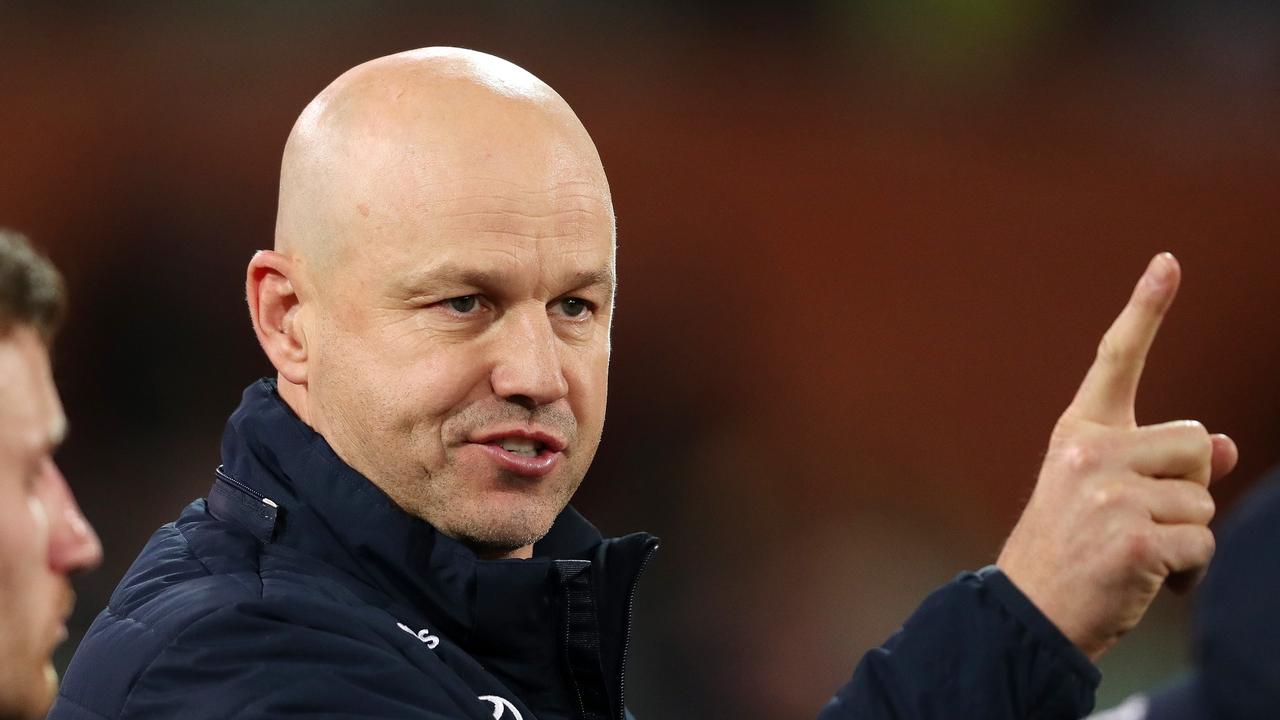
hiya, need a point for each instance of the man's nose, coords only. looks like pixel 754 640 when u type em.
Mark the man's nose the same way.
pixel 73 545
pixel 528 369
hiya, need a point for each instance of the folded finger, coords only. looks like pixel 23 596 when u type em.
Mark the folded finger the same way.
pixel 1184 548
pixel 1179 449
pixel 1178 502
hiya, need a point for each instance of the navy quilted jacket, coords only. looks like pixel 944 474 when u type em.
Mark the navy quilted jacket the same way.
pixel 298 589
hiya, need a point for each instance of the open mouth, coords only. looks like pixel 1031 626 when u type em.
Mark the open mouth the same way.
pixel 524 447
pixel 525 452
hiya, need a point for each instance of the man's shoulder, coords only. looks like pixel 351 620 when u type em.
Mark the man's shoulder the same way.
pixel 188 568
pixel 198 563
pixel 196 579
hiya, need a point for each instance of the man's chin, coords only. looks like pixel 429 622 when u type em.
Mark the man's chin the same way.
pixel 506 536
pixel 503 550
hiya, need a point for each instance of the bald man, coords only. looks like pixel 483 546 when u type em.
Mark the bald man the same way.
pixel 43 537
pixel 389 535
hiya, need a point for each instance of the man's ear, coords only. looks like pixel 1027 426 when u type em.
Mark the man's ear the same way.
pixel 273 305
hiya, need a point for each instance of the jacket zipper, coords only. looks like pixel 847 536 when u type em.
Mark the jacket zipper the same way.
pixel 626 643
pixel 244 488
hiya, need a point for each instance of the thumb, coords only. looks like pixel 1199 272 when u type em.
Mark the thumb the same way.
pixel 1225 456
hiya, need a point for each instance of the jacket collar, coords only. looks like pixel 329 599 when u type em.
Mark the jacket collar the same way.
pixel 327 510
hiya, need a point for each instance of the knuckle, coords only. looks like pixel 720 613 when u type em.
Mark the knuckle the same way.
pixel 1196 432
pixel 1196 426
pixel 1115 495
pixel 1202 450
pixel 1080 456
pixel 1102 498
pixel 1204 443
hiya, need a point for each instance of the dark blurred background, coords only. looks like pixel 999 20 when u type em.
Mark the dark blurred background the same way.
pixel 867 250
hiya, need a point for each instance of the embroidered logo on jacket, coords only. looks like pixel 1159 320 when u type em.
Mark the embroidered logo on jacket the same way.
pixel 425 636
pixel 502 708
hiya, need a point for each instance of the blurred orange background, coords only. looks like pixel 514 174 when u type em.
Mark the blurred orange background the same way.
pixel 866 252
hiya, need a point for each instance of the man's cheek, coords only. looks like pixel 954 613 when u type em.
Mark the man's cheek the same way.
pixel 589 389
pixel 447 380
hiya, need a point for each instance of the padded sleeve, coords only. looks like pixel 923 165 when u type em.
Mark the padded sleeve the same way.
pixel 976 648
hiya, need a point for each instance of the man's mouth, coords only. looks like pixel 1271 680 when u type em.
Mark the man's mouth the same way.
pixel 521 451
pixel 524 447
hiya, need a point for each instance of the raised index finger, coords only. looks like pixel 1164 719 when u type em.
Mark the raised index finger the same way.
pixel 1109 389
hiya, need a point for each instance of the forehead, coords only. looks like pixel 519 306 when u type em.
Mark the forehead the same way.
pixel 516 182
pixel 562 226
pixel 30 412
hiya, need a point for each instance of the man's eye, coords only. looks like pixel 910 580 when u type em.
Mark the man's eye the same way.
pixel 464 304
pixel 574 307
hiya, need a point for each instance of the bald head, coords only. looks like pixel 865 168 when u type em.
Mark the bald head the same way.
pixel 442 289
pixel 393 135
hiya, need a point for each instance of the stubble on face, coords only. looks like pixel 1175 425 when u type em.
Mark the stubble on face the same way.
pixel 450 497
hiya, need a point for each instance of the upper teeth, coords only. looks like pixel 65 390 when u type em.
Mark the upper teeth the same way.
pixel 520 446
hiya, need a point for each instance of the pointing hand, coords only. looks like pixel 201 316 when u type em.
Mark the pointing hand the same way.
pixel 1119 510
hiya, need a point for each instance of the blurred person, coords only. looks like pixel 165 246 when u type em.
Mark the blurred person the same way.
pixel 389 535
pixel 1236 671
pixel 43 537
